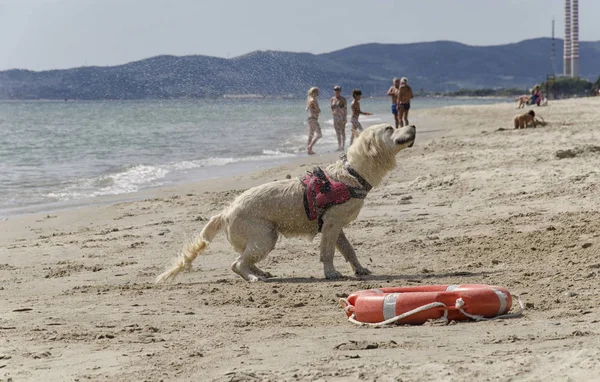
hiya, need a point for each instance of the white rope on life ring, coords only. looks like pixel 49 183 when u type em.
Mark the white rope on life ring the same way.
pixel 458 305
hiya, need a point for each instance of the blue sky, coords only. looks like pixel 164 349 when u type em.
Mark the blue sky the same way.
pixel 49 34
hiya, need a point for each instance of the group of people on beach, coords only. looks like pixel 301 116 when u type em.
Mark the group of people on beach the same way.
pixel 400 93
pixel 339 109
pixel 528 119
pixel 534 98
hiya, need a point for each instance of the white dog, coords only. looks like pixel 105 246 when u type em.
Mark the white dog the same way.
pixel 326 202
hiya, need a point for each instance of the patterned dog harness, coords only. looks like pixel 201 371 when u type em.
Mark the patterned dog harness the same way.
pixel 322 192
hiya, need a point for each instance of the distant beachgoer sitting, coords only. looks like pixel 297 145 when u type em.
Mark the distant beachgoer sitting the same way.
pixel 522 120
pixel 356 126
pixel 536 97
pixel 314 128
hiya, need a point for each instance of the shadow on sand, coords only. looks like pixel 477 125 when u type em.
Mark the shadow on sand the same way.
pixel 421 278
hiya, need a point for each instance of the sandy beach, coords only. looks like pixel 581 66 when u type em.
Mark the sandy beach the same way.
pixel 478 202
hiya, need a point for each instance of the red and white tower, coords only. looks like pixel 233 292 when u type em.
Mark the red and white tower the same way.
pixel 567 45
pixel 575 38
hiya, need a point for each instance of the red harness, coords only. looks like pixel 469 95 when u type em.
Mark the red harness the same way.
pixel 322 192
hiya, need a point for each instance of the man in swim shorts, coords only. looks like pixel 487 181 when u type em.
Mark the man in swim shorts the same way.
pixel 405 94
pixel 393 92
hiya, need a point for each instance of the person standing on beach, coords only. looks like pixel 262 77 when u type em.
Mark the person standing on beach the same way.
pixel 314 128
pixel 356 126
pixel 339 109
pixel 393 92
pixel 405 94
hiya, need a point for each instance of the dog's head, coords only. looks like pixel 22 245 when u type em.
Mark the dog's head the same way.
pixel 376 148
pixel 531 113
pixel 404 137
pixel 382 139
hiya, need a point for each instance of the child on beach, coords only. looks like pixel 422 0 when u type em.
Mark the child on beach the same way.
pixel 524 120
pixel 356 126
pixel 314 128
pixel 405 94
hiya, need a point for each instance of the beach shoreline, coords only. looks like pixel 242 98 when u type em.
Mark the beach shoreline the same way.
pixel 211 182
pixel 221 174
pixel 476 202
pixel 57 155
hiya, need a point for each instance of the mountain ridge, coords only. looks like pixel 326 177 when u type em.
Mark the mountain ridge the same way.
pixel 430 66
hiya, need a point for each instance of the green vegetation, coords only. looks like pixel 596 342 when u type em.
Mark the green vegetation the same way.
pixel 564 87
pixel 485 93
pixel 596 86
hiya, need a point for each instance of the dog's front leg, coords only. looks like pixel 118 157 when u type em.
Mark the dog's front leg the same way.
pixel 329 237
pixel 346 249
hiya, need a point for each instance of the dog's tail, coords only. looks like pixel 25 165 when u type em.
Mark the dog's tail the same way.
pixel 193 249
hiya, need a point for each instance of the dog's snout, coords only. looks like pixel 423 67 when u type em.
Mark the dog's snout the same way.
pixel 413 133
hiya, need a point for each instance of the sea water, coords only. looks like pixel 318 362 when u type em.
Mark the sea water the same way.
pixel 54 152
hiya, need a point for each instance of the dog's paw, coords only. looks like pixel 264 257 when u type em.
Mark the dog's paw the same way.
pixel 360 271
pixel 332 275
pixel 253 279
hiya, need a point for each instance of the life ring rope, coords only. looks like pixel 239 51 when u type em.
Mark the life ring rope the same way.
pixel 518 313
pixel 458 306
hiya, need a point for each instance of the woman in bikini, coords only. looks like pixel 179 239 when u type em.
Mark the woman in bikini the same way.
pixel 339 109
pixel 314 128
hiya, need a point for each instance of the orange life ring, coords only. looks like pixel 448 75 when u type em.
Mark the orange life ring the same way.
pixel 423 303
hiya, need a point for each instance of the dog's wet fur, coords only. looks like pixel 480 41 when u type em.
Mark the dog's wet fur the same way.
pixel 256 218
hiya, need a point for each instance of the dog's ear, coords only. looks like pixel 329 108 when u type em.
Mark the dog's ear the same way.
pixel 371 148
pixel 371 145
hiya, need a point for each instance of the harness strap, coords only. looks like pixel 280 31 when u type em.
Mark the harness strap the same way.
pixel 355 174
pixel 317 184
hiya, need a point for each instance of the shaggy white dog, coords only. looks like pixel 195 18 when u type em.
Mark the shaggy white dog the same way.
pixel 255 219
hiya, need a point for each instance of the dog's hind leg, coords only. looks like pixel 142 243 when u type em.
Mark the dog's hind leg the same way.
pixel 346 249
pixel 261 242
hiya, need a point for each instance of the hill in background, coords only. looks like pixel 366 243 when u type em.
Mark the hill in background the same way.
pixel 430 66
